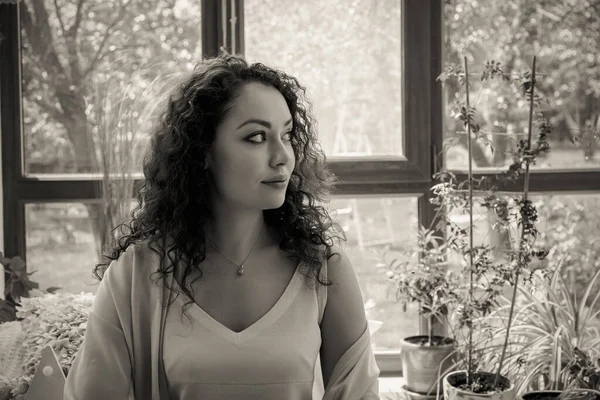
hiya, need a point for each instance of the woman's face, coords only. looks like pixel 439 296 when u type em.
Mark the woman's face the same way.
pixel 253 145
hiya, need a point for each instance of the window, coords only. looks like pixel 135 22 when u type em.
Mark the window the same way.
pixel 90 73
pixel 377 229
pixel 564 40
pixel 60 244
pixel 78 93
pixel 361 61
pixel 357 104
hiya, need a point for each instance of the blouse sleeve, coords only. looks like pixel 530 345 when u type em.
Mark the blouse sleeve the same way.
pixel 102 367
pixel 356 375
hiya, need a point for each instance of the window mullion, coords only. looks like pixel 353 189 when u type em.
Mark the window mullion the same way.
pixel 10 109
pixel 222 27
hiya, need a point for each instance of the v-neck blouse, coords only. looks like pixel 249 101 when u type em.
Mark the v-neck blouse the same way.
pixel 277 357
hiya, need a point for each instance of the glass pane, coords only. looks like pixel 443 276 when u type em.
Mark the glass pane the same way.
pixel 61 247
pixel 563 36
pixel 568 225
pixel 91 89
pixel 377 229
pixel 347 54
pixel 569 228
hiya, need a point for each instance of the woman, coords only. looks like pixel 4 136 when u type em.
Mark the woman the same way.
pixel 228 233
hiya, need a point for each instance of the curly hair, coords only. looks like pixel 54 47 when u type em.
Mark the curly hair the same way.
pixel 176 185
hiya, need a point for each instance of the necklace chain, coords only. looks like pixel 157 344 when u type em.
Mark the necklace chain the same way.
pixel 240 266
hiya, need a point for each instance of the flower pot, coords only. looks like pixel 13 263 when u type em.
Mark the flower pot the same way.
pixel 452 390
pixel 541 395
pixel 408 395
pixel 554 394
pixel 421 362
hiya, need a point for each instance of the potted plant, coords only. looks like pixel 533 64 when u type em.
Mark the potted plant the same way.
pixel 57 320
pixel 585 382
pixel 427 283
pixel 553 334
pixel 17 285
pixel 486 270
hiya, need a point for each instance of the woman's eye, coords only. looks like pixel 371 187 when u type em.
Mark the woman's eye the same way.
pixel 263 135
pixel 257 134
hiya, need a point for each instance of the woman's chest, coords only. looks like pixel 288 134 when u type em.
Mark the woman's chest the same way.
pixel 239 301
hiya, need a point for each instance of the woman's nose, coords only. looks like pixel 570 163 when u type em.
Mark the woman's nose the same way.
pixel 281 153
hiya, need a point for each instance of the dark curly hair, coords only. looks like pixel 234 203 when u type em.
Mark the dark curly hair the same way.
pixel 176 185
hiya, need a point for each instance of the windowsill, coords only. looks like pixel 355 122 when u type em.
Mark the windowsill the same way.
pixel 390 388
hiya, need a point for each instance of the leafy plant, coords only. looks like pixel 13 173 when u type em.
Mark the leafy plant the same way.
pixel 486 269
pixel 122 114
pixel 586 373
pixel 58 320
pixel 552 325
pixel 425 280
pixel 575 221
pixel 17 285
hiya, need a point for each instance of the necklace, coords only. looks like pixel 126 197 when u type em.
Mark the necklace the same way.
pixel 241 267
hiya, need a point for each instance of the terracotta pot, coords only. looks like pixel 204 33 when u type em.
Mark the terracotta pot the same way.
pixel 420 364
pixel 452 392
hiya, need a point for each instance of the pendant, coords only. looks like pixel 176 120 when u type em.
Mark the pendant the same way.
pixel 241 270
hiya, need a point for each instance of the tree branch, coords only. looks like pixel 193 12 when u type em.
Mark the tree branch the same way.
pixel 71 43
pixel 99 54
pixel 60 22
pixel 40 39
pixel 78 13
pixel 56 114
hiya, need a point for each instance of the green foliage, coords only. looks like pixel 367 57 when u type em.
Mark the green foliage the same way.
pixel 564 36
pixel 572 237
pixel 486 269
pixel 58 320
pixel 586 373
pixel 16 286
pixel 553 327
pixel 424 278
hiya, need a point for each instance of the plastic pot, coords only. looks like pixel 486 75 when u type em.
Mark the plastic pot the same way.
pixel 456 378
pixel 421 363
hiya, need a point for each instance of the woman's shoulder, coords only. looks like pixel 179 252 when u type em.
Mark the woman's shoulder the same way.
pixel 137 260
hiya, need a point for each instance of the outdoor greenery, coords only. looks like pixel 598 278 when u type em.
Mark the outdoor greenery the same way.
pixel 564 36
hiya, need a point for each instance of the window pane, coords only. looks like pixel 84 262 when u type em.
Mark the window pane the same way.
pixel 92 88
pixel 347 54
pixel 564 38
pixel 377 229
pixel 568 226
pixel 61 247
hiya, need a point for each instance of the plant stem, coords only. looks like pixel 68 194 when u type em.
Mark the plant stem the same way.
pixel 470 157
pixel 430 330
pixel 523 224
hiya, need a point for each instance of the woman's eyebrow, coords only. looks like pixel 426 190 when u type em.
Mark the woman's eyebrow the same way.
pixel 262 122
